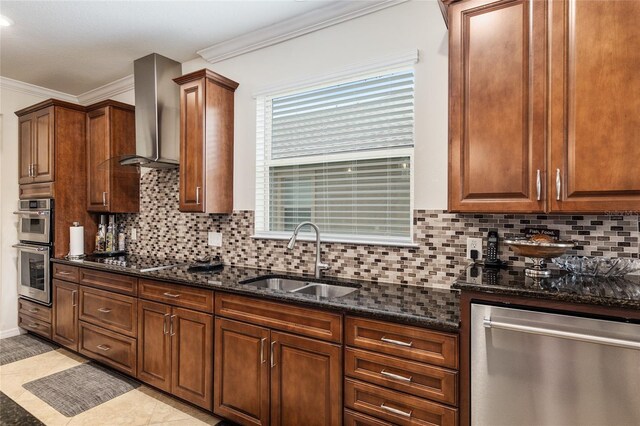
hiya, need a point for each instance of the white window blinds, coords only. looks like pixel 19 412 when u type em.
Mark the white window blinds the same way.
pixel 339 156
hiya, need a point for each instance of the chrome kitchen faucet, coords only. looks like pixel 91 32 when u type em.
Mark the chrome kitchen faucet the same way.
pixel 292 242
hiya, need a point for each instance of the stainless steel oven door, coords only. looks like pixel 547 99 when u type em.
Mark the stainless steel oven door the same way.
pixel 33 272
pixel 34 226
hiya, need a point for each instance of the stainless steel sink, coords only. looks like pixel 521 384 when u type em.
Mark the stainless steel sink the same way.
pixel 327 291
pixel 303 287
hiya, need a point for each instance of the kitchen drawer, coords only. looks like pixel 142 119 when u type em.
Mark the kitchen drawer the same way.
pixel 353 418
pixel 307 322
pixel 112 311
pixel 409 342
pixel 65 272
pixel 412 377
pixel 111 348
pixel 178 295
pixel 396 407
pixel 107 281
pixel 34 325
pixel 37 190
pixel 34 310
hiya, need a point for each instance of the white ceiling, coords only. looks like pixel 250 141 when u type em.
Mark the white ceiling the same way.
pixel 76 46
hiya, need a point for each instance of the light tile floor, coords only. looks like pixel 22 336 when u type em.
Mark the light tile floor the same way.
pixel 141 406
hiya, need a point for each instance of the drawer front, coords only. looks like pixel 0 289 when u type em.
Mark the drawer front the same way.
pixel 353 418
pixel 107 281
pixel 65 272
pixel 34 325
pixel 34 310
pixel 307 322
pixel 396 407
pixel 178 295
pixel 37 190
pixel 409 342
pixel 412 377
pixel 112 311
pixel 111 348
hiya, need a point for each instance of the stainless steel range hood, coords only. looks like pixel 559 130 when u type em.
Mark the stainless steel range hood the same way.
pixel 157 113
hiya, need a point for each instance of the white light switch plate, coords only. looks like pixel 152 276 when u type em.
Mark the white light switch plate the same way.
pixel 474 244
pixel 215 239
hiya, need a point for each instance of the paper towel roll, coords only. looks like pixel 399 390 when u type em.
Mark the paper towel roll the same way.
pixel 76 240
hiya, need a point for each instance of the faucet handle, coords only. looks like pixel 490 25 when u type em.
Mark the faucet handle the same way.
pixel 324 266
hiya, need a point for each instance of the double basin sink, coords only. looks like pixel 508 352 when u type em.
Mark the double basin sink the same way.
pixel 319 290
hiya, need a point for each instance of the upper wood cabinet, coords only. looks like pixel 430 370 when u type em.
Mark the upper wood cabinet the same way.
pixel 541 116
pixel 111 134
pixel 206 142
pixel 36 146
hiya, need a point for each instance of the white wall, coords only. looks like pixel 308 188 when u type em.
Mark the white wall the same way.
pixel 10 101
pixel 411 25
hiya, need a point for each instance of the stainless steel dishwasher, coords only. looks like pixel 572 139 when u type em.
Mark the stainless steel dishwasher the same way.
pixel 537 368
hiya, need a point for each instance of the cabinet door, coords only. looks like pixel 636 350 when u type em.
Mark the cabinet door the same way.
pixel 97 155
pixel 497 106
pixel 595 106
pixel 306 381
pixel 43 145
pixel 192 146
pixel 65 314
pixel 154 344
pixel 192 356
pixel 241 376
pixel 25 138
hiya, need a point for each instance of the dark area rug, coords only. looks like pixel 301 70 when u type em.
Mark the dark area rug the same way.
pixel 12 414
pixel 17 348
pixel 80 388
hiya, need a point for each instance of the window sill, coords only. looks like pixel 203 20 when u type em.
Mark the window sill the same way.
pixel 312 238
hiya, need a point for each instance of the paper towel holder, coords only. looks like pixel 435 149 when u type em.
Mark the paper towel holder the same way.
pixel 74 256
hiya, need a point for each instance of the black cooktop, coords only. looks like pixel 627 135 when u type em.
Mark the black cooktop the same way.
pixel 135 263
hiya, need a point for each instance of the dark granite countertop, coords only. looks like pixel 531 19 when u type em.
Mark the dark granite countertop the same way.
pixel 618 292
pixel 431 307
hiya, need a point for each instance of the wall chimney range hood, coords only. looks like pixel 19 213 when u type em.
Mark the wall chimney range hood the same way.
pixel 157 113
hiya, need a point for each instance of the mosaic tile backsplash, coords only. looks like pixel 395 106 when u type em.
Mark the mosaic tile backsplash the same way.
pixel 439 257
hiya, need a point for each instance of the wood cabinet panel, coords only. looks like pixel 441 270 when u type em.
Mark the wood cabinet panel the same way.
pixel 97 154
pixel 65 272
pixel 34 325
pixel 111 348
pixel 353 418
pixel 117 283
pixel 178 295
pixel 37 190
pixel 43 150
pixel 409 342
pixel 402 375
pixel 396 407
pixel 154 344
pixel 594 101
pixel 25 138
pixel 34 310
pixel 65 314
pixel 308 322
pixel 192 137
pixel 241 372
pixel 496 106
pixel 306 381
pixel 192 356
pixel 112 311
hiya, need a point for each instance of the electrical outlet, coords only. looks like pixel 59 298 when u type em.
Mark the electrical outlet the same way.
pixel 215 239
pixel 134 234
pixel 474 244
pixel 474 274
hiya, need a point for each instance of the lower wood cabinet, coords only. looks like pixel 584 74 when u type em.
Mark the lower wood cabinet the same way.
pixel 267 377
pixel 175 351
pixel 111 348
pixel 65 314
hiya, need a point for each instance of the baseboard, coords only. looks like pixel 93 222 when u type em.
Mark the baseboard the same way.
pixel 11 332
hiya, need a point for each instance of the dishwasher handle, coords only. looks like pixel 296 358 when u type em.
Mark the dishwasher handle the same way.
pixel 581 337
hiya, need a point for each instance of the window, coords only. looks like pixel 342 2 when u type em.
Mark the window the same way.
pixel 340 156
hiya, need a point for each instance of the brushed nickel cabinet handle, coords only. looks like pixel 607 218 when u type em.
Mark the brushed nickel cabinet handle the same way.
pixel 34 325
pixel 171 330
pixel 538 185
pixel 63 273
pixel 164 323
pixel 103 347
pixel 171 294
pixel 273 360
pixel 262 360
pixel 104 198
pixel 396 342
pixel 197 195
pixel 34 310
pixel 30 170
pixel 74 301
pixel 104 310
pixel 396 411
pixel 558 184
pixel 396 376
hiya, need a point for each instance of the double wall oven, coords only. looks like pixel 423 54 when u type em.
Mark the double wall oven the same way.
pixel 35 232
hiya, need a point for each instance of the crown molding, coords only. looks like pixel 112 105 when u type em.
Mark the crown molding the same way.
pixel 32 89
pixel 107 91
pixel 297 26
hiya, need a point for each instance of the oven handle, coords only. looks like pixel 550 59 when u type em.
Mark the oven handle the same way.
pixel 32 248
pixel 33 213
